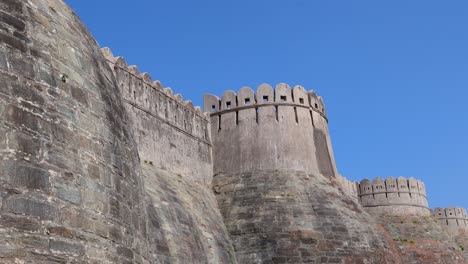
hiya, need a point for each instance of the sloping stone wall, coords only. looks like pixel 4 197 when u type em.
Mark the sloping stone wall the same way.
pixel 297 217
pixel 71 184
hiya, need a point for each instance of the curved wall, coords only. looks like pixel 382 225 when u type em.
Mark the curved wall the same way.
pixel 394 196
pixel 274 180
pixel 454 219
pixel 272 129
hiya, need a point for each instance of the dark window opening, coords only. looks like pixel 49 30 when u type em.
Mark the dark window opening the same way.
pixel 295 114
pixel 237 117
pixel 256 115
pixel 276 112
pixel 316 106
pixel 228 105
pixel 213 108
pixel 247 101
pixel 301 100
pixel 265 99
pixel 283 98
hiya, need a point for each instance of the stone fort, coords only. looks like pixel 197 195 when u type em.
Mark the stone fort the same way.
pixel 102 164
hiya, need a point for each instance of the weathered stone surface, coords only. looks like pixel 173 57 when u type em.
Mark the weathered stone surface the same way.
pixel 72 189
pixel 101 164
pixel 273 217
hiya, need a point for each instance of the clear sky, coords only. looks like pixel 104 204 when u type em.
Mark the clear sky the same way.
pixel 393 74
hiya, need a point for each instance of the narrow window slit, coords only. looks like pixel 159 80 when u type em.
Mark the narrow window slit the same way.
pixel 295 114
pixel 276 112
pixel 312 118
pixel 237 117
pixel 219 123
pixel 316 106
pixel 256 115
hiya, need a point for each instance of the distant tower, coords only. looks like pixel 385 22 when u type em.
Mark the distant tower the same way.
pixel 392 196
pixel 272 129
pixel 455 220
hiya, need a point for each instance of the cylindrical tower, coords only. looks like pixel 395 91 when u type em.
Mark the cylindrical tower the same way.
pixel 270 130
pixel 455 220
pixel 392 196
pixel 274 180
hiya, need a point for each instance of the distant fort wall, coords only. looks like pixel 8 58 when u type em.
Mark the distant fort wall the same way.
pixel 454 219
pixel 271 129
pixel 347 186
pixel 398 196
pixel 171 133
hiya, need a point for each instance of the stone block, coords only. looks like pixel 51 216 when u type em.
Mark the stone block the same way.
pixel 20 117
pixel 46 75
pixel 13 42
pixel 69 193
pixel 22 176
pixel 66 248
pixel 125 252
pixel 24 143
pixel 23 66
pixel 80 95
pixel 3 61
pixel 61 231
pixel 12 21
pixel 29 206
pixel 20 222
pixel 12 5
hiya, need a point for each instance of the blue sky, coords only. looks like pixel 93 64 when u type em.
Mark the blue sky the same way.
pixel 393 74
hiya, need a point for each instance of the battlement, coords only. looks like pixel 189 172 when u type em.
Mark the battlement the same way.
pixel 279 128
pixel 140 90
pixel 394 196
pixel 265 96
pixel 454 219
pixel 347 186
pixel 162 120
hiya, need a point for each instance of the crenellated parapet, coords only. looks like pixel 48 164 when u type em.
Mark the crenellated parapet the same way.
pixel 347 186
pixel 399 196
pixel 271 128
pixel 454 219
pixel 148 95
pixel 281 98
pixel 171 133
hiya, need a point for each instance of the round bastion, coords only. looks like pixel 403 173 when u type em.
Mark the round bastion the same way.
pixel 454 219
pixel 394 196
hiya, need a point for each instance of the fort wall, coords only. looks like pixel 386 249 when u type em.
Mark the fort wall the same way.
pixel 347 186
pixel 454 219
pixel 73 187
pixel 398 196
pixel 171 133
pixel 279 128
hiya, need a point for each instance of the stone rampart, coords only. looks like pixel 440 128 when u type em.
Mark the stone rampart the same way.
pixel 347 186
pixel 454 219
pixel 164 121
pixel 279 128
pixel 398 196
